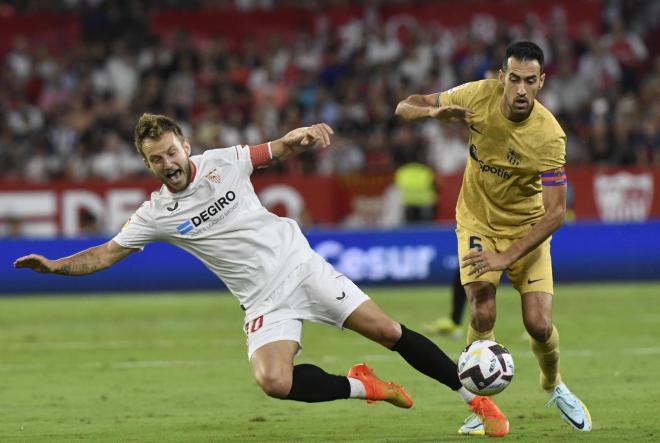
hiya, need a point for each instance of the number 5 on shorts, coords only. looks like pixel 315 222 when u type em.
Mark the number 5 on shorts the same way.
pixel 475 243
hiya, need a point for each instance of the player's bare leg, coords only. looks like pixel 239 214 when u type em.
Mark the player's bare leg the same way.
pixel 483 310
pixel 272 367
pixel 537 318
pixel 274 371
pixel 370 321
pixel 544 340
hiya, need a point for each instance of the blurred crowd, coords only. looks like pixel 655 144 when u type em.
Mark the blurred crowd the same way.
pixel 70 114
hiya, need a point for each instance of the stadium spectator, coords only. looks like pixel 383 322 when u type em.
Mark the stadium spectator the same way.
pixel 567 93
pixel 344 159
pixel 599 69
pixel 350 75
pixel 19 59
pixel 629 50
pixel 446 146
pixel 121 71
pixel 23 118
pixel 417 185
pixel 115 160
pixel 648 144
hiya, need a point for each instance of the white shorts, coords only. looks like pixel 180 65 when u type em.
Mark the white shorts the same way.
pixel 315 291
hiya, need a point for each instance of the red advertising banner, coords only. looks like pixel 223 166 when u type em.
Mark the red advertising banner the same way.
pixel 62 30
pixel 615 194
pixel 57 31
pixel 72 209
pixel 286 21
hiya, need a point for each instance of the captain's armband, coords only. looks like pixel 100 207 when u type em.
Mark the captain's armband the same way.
pixel 554 177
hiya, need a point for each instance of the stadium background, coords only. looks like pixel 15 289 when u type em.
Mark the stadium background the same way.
pixel 76 74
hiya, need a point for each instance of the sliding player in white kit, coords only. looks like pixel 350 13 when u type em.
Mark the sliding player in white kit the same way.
pixel 208 207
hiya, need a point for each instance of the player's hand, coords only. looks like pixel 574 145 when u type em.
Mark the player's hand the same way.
pixel 307 137
pixel 481 262
pixel 452 114
pixel 35 262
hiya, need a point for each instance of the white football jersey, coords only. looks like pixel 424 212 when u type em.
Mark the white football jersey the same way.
pixel 219 219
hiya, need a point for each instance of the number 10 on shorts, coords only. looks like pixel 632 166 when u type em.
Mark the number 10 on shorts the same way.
pixel 254 325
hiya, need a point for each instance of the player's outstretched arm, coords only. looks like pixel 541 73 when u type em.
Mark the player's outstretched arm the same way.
pixel 301 139
pixel 417 107
pixel 84 262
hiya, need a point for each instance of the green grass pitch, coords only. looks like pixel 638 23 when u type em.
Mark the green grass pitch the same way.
pixel 172 368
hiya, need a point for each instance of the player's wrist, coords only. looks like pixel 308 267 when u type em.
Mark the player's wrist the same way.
pixel 56 267
pixel 510 256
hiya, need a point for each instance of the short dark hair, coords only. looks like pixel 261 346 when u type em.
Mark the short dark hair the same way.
pixel 154 126
pixel 523 50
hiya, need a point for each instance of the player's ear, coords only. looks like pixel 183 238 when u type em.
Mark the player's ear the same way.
pixel 541 80
pixel 500 76
pixel 186 147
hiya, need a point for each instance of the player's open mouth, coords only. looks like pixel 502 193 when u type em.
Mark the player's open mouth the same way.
pixel 174 175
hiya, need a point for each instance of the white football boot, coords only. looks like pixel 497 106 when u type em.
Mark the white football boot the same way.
pixel 572 410
pixel 472 426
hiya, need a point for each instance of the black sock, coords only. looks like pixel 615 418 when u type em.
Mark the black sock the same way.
pixel 312 384
pixel 423 355
pixel 458 301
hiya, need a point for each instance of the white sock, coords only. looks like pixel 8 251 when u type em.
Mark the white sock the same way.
pixel 357 388
pixel 466 395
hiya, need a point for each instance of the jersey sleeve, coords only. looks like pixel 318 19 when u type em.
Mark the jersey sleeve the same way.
pixel 457 96
pixel 553 154
pixel 551 162
pixel 247 158
pixel 139 230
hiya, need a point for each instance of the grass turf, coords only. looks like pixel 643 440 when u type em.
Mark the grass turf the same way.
pixel 173 368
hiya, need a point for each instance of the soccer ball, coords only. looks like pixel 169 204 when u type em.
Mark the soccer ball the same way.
pixel 485 367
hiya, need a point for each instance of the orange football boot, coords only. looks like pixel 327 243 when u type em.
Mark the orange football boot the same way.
pixel 495 423
pixel 377 389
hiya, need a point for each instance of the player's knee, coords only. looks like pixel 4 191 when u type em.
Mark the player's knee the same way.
pixel 483 317
pixel 483 324
pixel 274 383
pixel 389 333
pixel 539 329
pixel 482 305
